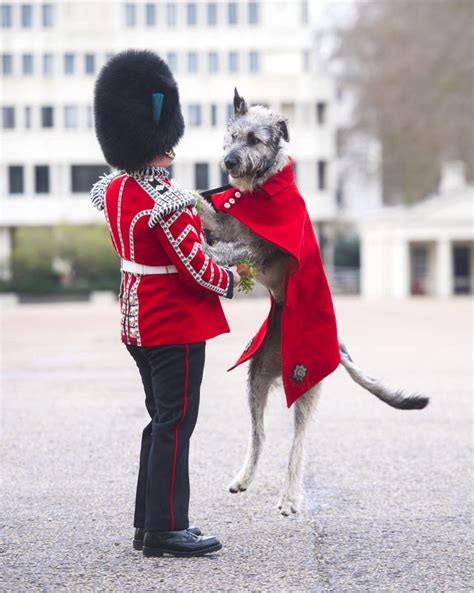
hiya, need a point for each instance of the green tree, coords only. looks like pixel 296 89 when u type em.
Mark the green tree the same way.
pixel 90 254
pixel 65 258
pixel 32 258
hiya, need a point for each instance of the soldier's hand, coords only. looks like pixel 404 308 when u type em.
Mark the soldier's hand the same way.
pixel 233 269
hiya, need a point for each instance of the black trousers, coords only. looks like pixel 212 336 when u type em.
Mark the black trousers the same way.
pixel 171 376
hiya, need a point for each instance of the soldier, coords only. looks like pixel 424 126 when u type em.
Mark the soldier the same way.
pixel 169 296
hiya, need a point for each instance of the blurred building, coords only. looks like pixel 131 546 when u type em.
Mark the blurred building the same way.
pixel 359 185
pixel 52 52
pixel 426 249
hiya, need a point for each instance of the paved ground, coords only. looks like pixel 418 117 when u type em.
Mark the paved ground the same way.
pixel 388 492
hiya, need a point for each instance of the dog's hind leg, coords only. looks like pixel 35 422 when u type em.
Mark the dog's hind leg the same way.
pixel 259 384
pixel 291 494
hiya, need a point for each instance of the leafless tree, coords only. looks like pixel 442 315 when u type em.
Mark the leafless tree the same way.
pixel 411 66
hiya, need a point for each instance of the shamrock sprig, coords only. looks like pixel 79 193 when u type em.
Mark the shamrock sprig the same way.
pixel 247 272
pixel 199 201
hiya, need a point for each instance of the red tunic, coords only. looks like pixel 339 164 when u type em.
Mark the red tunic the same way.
pixel 310 347
pixel 149 229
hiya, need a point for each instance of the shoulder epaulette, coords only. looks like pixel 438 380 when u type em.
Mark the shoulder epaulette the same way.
pixel 168 199
pixel 99 188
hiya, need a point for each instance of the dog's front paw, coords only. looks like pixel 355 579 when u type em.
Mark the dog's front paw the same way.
pixel 238 485
pixel 288 504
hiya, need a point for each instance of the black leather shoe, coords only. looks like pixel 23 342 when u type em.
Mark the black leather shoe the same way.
pixel 140 532
pixel 179 543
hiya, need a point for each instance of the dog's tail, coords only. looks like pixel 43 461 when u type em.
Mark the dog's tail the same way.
pixel 393 397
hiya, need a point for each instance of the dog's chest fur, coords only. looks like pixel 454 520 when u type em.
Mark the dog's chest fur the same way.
pixel 271 262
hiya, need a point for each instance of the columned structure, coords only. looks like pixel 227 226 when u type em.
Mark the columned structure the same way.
pixel 427 249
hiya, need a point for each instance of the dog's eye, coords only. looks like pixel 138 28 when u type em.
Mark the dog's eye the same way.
pixel 253 140
pixel 234 136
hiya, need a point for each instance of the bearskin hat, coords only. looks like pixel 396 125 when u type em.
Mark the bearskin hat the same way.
pixel 137 111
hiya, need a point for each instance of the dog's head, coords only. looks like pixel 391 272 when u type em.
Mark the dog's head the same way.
pixel 254 144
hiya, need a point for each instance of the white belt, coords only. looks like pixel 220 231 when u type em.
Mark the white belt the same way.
pixel 134 268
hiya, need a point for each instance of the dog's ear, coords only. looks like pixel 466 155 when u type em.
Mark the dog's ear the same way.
pixel 240 106
pixel 283 125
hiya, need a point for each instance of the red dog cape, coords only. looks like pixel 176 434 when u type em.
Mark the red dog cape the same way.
pixel 309 343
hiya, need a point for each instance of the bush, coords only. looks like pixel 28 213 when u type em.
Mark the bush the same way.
pixel 93 260
pixel 31 263
pixel 66 259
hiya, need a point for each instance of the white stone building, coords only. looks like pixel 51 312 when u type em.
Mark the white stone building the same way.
pixel 426 249
pixel 52 51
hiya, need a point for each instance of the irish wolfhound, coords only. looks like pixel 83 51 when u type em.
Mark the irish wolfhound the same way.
pixel 254 150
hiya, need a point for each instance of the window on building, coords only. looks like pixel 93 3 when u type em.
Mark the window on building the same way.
pixel 224 176
pixel 27 64
pixel 213 115
pixel 321 112
pixel 229 111
pixel 213 61
pixel 340 193
pixel 212 13
pixel 232 13
pixel 27 118
pixel 48 64
pixel 305 111
pixel 83 177
pixel 192 62
pixel 194 115
pixel 254 61
pixel 233 61
pixel 69 63
pixel 130 14
pixel 253 13
pixel 47 117
pixel 8 118
pixel 47 15
pixel 306 61
pixel 289 110
pixel 89 116
pixel 70 116
pixel 5 16
pixel 7 64
pixel 305 12
pixel 171 14
pixel 150 15
pixel 201 176
pixel 89 63
pixel 260 102
pixel 419 272
pixel 462 269
pixel 191 13
pixel 16 181
pixel 340 140
pixel 322 175
pixel 42 179
pixel 26 12
pixel 172 60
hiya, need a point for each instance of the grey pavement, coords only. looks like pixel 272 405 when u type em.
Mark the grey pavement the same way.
pixel 388 493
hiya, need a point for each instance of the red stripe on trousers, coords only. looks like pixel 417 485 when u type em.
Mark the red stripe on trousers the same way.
pixel 176 436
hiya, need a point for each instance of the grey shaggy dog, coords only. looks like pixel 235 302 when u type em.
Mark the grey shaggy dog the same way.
pixel 255 150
